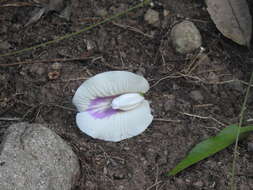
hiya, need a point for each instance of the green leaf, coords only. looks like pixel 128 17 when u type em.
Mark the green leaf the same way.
pixel 211 146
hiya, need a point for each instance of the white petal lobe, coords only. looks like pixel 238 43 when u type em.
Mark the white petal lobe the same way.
pixel 108 84
pixel 120 126
pixel 127 101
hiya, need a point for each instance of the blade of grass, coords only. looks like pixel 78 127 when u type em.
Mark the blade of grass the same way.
pixel 145 2
pixel 209 147
pixel 232 184
pixel 215 144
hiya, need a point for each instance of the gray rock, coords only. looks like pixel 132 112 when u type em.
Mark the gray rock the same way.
pixel 101 12
pixel 34 157
pixel 5 45
pixel 152 17
pixel 38 69
pixel 185 37
pixel 196 95
pixel 250 147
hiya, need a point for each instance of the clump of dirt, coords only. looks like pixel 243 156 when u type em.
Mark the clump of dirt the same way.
pixel 193 96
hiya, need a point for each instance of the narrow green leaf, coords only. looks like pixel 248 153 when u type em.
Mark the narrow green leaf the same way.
pixel 211 146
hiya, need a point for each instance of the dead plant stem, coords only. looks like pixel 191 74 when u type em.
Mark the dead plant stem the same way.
pixel 233 184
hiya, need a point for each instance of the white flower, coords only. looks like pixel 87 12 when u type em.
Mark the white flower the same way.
pixel 112 107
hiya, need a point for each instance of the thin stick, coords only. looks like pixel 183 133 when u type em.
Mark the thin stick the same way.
pixel 164 78
pixel 155 184
pixel 46 61
pixel 203 117
pixel 166 120
pixel 10 119
pixel 18 4
pixel 232 184
pixel 132 29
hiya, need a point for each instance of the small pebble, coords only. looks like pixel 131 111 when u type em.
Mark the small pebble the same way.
pixel 53 75
pixel 90 45
pixel 196 95
pixel 118 175
pixel 185 37
pixel 38 69
pixel 166 12
pixel 152 17
pixel 101 12
pixel 56 66
pixel 198 184
pixel 5 45
pixel 250 147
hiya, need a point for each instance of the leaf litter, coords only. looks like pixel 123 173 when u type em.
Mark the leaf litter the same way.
pixel 232 18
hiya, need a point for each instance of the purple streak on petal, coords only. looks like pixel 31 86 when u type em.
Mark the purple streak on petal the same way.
pixel 101 107
pixel 101 100
pixel 105 113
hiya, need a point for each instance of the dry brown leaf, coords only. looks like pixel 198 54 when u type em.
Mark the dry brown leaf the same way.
pixel 232 18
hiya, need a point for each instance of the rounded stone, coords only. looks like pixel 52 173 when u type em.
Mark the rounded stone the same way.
pixel 185 37
pixel 34 157
pixel 152 17
pixel 196 95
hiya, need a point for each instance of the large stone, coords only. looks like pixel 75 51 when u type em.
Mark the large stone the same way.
pixel 185 37
pixel 32 157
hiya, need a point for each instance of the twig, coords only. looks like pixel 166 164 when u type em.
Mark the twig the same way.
pixel 132 29
pixel 47 61
pixel 232 184
pixel 10 119
pixel 202 105
pixel 166 120
pixel 157 176
pixel 155 184
pixel 164 78
pixel 62 107
pixel 18 4
pixel 75 79
pixel 203 117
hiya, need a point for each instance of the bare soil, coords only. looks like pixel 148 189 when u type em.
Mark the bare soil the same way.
pixel 192 96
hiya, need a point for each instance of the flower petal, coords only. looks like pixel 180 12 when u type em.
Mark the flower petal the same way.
pixel 127 101
pixel 106 84
pixel 117 127
pixel 101 107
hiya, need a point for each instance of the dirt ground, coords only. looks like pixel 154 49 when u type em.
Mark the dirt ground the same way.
pixel 192 96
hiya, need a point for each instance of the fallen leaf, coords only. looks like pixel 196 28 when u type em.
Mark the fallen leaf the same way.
pixel 232 18
pixel 36 15
pixel 211 146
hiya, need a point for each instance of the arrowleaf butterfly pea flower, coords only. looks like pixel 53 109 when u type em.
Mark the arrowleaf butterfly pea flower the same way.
pixel 112 107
